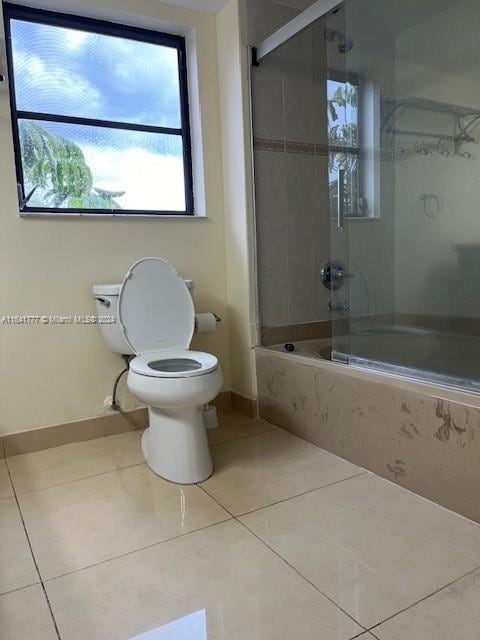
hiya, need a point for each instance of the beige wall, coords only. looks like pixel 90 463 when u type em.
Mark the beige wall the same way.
pixel 235 123
pixel 54 374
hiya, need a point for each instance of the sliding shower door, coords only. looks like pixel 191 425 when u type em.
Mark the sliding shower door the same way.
pixel 403 100
pixel 360 71
pixel 341 167
pixel 367 164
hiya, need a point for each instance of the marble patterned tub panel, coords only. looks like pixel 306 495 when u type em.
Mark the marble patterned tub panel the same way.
pixel 423 443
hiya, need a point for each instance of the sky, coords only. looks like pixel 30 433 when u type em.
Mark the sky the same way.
pixel 76 73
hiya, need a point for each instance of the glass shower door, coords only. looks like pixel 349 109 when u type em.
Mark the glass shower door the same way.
pixel 342 175
pixel 403 104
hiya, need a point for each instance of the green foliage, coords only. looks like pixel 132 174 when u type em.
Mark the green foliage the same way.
pixel 343 135
pixel 57 170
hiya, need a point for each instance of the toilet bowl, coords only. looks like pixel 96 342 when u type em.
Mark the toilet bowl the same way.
pixel 175 386
pixel 157 319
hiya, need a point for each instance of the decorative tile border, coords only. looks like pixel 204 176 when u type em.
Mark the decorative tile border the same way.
pixel 311 149
pixel 263 144
pixel 291 146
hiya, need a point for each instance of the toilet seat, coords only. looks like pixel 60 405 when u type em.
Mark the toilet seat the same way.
pixel 155 308
pixel 178 363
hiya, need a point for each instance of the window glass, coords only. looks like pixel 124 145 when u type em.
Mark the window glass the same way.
pixel 342 104
pixel 100 116
pixel 82 167
pixel 88 75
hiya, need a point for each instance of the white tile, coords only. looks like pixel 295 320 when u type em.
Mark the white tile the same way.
pixel 234 425
pixel 91 520
pixel 306 183
pixel 273 298
pixel 271 178
pixel 257 471
pixel 17 568
pixel 267 104
pixel 304 240
pixel 25 614
pixel 372 547
pixel 272 241
pixel 6 489
pixel 451 613
pixel 303 296
pixel 33 471
pixel 221 583
pixel 305 112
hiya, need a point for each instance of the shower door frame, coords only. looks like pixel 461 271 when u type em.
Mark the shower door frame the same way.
pixel 317 10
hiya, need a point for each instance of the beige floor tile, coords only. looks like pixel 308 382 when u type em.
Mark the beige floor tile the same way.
pixel 451 614
pixel 254 472
pixel 220 583
pixel 234 425
pixel 50 467
pixel 87 521
pixel 6 490
pixel 17 568
pixel 371 546
pixel 24 614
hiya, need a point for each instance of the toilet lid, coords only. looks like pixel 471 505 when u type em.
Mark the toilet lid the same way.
pixel 155 308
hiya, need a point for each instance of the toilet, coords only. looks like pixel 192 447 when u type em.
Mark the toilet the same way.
pixel 155 321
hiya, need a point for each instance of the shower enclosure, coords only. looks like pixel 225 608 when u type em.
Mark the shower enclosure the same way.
pixel 366 120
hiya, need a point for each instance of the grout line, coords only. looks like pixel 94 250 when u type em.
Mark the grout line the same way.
pixel 128 466
pixel 94 475
pixel 298 495
pixel 302 576
pixel 430 595
pixel 7 497
pixel 26 586
pixel 236 518
pixel 148 546
pixel 249 435
pixel 215 500
pixel 33 557
pixel 364 634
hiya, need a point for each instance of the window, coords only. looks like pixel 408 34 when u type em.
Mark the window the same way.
pixel 342 103
pixel 354 147
pixel 100 116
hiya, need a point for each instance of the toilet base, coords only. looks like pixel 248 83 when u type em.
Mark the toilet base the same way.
pixel 175 445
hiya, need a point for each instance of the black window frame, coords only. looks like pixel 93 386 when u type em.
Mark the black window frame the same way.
pixel 70 21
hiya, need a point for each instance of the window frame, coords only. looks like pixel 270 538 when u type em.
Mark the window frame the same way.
pixel 70 21
pixel 368 142
pixel 344 78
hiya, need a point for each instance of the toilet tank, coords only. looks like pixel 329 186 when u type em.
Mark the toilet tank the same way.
pixel 106 298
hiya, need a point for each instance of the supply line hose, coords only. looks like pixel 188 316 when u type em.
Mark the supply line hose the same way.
pixel 115 405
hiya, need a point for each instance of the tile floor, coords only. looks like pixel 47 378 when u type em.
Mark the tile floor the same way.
pixel 284 541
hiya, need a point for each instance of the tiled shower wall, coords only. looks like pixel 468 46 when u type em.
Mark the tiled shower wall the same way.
pixel 291 166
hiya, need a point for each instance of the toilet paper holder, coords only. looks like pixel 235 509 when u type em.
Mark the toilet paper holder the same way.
pixel 205 322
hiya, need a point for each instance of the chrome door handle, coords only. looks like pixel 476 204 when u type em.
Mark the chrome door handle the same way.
pixel 333 274
pixel 340 198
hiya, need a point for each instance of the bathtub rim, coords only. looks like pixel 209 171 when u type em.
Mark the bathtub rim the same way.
pixel 468 397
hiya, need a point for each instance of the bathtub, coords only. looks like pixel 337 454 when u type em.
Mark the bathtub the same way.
pixel 422 436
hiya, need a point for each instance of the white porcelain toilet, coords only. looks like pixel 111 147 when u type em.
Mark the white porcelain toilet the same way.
pixel 157 318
